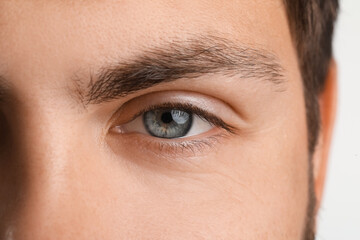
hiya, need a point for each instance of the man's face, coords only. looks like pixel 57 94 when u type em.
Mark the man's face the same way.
pixel 151 120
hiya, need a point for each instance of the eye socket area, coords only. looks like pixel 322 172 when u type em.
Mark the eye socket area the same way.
pixel 173 115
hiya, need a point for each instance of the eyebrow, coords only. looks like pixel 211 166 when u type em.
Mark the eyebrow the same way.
pixel 188 59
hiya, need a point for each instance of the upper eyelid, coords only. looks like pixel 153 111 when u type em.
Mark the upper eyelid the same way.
pixel 205 105
pixel 203 114
pixel 166 106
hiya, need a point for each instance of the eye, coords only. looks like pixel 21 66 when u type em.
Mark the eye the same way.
pixel 168 123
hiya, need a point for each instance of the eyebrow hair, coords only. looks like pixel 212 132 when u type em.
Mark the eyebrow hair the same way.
pixel 188 59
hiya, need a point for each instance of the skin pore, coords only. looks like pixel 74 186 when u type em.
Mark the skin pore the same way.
pixel 77 160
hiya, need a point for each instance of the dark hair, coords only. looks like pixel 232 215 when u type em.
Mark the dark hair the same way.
pixel 311 24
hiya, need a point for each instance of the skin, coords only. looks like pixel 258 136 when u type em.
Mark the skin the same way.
pixel 67 174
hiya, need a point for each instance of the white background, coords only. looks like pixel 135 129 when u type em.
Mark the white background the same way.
pixel 339 217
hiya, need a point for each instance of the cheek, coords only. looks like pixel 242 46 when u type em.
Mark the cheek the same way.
pixel 241 186
pixel 263 175
pixel 245 185
pixel 263 182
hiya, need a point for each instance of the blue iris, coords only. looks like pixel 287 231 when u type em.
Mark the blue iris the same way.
pixel 169 123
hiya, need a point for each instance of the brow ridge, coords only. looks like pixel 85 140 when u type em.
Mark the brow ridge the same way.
pixel 189 59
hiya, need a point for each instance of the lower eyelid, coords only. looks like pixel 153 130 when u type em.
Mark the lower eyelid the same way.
pixel 169 148
pixel 167 157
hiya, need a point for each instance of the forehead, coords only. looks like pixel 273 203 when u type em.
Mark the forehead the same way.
pixel 48 38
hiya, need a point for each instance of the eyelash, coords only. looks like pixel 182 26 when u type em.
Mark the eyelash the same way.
pixel 188 107
pixel 183 145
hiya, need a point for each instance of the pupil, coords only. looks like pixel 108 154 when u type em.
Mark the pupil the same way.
pixel 166 117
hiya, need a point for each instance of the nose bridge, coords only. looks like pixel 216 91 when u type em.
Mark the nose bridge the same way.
pixel 40 140
pixel 42 153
